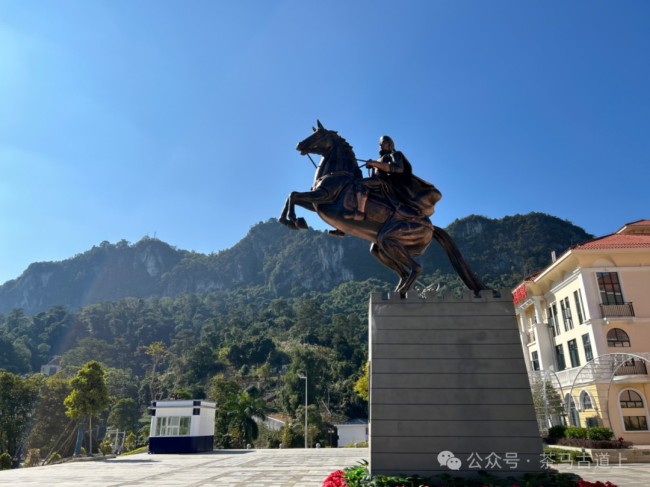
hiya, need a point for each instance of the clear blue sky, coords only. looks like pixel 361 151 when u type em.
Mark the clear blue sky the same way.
pixel 178 119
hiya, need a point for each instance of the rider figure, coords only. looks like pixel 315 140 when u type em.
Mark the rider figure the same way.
pixel 391 173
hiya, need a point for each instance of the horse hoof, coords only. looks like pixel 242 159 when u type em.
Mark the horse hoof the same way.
pixel 301 223
pixel 289 223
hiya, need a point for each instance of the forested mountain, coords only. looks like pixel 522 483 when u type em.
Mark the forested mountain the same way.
pixel 239 327
pixel 286 262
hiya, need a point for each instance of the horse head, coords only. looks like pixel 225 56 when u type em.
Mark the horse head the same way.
pixel 336 152
pixel 319 142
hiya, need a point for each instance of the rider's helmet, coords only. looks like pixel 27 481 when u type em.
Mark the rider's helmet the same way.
pixel 386 138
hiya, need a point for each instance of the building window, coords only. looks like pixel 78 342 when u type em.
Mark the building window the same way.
pixel 559 356
pixel 633 409
pixel 553 319
pixel 586 343
pixel 630 399
pixel 173 425
pixel 573 353
pixel 566 314
pixel 534 360
pixel 610 288
pixel 577 298
pixel 635 423
pixel 585 401
pixel 617 338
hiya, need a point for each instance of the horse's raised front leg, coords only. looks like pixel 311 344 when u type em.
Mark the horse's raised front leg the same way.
pixel 288 216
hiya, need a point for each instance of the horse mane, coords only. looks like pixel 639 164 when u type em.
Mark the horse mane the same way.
pixel 346 144
pixel 348 151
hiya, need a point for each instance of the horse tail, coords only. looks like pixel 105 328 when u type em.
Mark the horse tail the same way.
pixel 457 261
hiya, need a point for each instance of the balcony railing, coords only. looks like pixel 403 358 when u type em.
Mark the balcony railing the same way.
pixel 616 310
pixel 530 336
pixel 632 367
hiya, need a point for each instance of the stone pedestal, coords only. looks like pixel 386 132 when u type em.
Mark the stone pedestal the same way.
pixel 449 393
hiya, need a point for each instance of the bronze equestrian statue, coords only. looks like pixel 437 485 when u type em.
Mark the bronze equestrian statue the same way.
pixel 391 209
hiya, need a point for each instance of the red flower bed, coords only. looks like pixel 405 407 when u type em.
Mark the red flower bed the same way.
pixel 337 479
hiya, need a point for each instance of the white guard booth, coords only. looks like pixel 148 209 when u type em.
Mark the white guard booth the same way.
pixel 181 426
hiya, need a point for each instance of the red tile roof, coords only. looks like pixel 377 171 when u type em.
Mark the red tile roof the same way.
pixel 638 223
pixel 617 241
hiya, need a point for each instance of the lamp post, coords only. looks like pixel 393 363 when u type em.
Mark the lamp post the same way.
pixel 305 379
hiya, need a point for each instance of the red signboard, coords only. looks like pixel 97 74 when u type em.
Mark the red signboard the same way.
pixel 519 294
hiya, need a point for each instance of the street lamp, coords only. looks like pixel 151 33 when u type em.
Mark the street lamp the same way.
pixel 305 379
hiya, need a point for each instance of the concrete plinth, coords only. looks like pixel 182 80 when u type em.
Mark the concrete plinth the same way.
pixel 449 391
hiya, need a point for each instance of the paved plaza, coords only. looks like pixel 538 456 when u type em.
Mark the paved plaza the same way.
pixel 244 468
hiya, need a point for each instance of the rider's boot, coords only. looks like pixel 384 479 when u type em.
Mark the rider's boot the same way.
pixel 360 213
pixel 362 199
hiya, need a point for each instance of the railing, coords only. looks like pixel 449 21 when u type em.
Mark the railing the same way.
pixel 530 336
pixel 632 367
pixel 567 376
pixel 616 310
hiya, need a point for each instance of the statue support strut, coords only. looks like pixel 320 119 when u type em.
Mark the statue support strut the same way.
pixel 395 221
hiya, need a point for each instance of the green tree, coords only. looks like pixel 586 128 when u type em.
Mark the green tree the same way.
pixel 158 353
pixel 89 349
pixel 121 383
pixel 51 423
pixel 17 399
pixel 361 385
pixel 89 395
pixel 124 415
pixel 548 404
pixel 241 411
pixel 315 426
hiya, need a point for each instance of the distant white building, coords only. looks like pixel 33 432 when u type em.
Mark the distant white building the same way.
pixel 352 432
pixel 274 422
pixel 183 426
pixel 52 367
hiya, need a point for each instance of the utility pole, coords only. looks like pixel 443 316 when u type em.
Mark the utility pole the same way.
pixel 304 377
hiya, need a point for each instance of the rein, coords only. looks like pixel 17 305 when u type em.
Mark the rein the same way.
pixel 312 161
pixel 358 160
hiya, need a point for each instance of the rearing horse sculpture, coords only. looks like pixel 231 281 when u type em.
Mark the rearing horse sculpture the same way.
pixel 396 236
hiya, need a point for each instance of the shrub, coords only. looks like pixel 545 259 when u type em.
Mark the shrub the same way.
pixel 559 455
pixel 5 461
pixel 106 447
pixel 359 476
pixel 33 457
pixel 605 444
pixel 576 432
pixel 131 442
pixel 54 457
pixel 358 444
pixel 557 431
pixel 599 433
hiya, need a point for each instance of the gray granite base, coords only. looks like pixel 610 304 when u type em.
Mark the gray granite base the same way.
pixel 449 392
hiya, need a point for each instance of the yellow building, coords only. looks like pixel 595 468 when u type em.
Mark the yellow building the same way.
pixel 585 329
